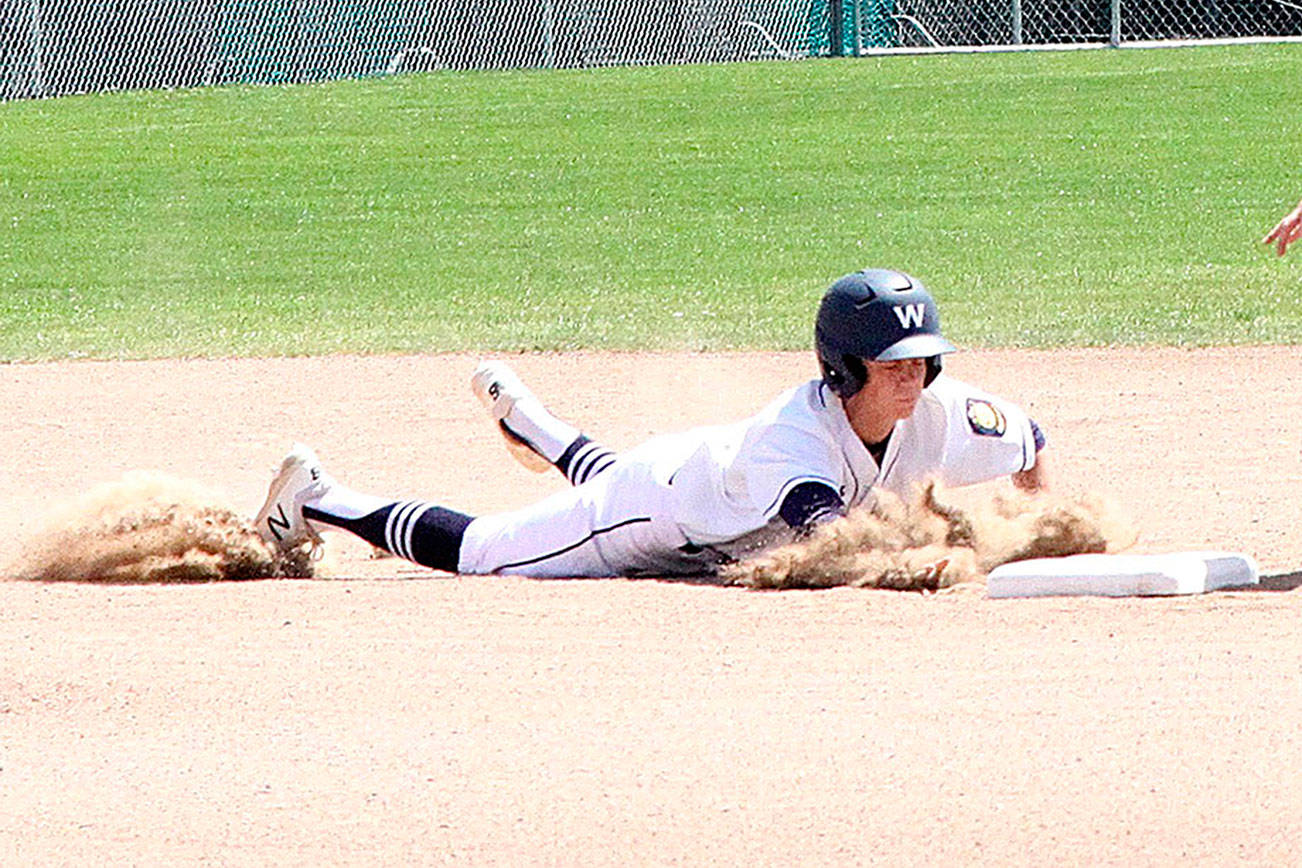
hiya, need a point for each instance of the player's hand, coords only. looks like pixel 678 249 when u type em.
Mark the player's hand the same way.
pixel 1035 479
pixel 1288 231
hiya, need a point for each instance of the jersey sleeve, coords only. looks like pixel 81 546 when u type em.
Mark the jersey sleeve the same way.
pixel 783 461
pixel 739 480
pixel 986 437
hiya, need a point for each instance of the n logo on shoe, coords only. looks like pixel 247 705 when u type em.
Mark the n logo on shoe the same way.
pixel 276 525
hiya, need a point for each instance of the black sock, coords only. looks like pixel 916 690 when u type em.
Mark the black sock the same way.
pixel 421 532
pixel 584 459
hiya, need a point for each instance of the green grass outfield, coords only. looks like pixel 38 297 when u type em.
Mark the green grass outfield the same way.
pixel 1093 197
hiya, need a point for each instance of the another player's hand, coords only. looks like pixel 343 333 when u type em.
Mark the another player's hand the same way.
pixel 1288 231
pixel 1035 479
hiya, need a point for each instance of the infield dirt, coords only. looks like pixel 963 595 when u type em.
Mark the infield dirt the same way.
pixel 386 713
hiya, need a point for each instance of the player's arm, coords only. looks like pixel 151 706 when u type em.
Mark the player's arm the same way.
pixel 1286 231
pixel 1037 477
pixel 793 468
pixel 985 437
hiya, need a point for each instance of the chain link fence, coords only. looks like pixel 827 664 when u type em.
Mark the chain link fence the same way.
pixel 964 23
pixel 55 47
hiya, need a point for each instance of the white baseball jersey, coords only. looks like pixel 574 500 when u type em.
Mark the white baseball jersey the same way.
pixel 682 503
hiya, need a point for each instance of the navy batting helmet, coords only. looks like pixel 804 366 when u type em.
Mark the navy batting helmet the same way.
pixel 876 315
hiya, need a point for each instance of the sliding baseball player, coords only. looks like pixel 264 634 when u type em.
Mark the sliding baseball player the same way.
pixel 881 416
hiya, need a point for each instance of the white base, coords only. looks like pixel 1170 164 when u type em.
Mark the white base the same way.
pixel 1123 575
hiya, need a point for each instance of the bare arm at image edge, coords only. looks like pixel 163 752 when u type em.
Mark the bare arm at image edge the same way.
pixel 1286 232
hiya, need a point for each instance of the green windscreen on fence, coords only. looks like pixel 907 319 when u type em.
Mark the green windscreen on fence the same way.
pixel 55 47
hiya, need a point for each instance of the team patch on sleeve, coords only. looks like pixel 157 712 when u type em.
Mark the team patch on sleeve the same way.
pixel 985 418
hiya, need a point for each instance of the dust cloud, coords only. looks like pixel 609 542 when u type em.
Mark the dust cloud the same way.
pixel 151 528
pixel 937 540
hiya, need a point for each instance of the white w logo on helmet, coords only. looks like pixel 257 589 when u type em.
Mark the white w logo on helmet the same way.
pixel 910 315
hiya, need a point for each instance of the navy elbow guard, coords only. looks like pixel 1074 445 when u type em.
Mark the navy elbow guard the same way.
pixel 808 503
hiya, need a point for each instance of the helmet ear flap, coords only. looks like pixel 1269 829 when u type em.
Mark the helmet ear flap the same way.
pixel 933 370
pixel 831 376
pixel 856 374
pixel 845 376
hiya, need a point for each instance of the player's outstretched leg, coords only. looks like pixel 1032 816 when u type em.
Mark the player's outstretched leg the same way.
pixel 303 500
pixel 534 436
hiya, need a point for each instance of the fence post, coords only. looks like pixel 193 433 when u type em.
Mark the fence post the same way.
pixel 299 47
pixel 836 45
pixel 38 49
pixel 1017 22
pixel 1115 39
pixel 549 35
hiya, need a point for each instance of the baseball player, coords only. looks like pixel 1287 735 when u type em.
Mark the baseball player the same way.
pixel 881 416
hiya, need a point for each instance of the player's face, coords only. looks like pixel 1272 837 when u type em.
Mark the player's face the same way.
pixel 894 387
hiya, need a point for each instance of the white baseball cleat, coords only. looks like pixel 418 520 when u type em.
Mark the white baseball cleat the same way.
pixel 280 522
pixel 499 389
